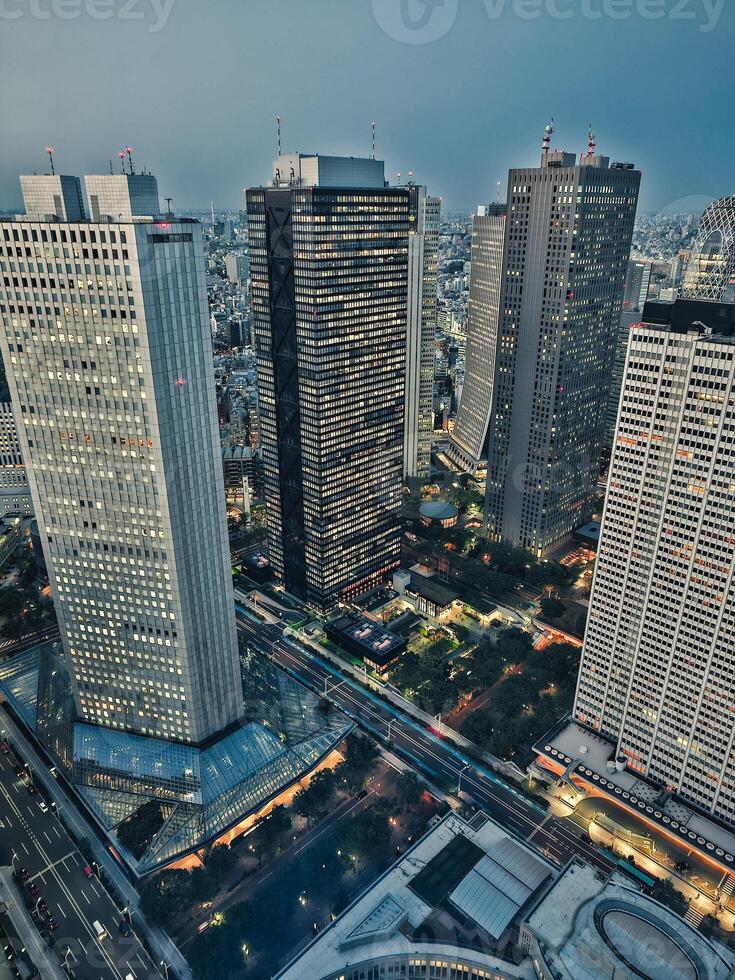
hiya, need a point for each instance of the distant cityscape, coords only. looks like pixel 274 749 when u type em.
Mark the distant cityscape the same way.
pixel 367 578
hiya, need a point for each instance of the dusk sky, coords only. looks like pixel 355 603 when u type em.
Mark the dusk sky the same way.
pixel 194 88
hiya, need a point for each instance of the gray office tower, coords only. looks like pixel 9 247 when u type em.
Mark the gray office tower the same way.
pixel 567 242
pixel 329 248
pixel 105 336
pixel 637 285
pixel 468 445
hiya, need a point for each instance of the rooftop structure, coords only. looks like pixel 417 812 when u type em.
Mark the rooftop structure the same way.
pixel 444 905
pixel 439 512
pixel 365 638
pixel 588 927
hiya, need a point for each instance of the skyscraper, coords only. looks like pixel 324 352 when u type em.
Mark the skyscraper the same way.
pixel 329 249
pixel 423 245
pixel 468 445
pixel 105 336
pixel 710 270
pixel 567 242
pixel 14 493
pixel 113 386
pixel 657 674
pixel 637 284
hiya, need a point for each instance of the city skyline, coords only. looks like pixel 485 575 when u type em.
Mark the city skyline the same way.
pixel 444 126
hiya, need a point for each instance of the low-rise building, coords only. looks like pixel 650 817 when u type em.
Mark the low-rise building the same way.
pixel 377 647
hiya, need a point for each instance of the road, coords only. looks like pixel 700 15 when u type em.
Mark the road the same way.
pixel 443 764
pixel 38 842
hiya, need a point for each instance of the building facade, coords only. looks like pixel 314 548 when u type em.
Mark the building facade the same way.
pixel 329 276
pixel 105 338
pixel 568 234
pixel 656 674
pixel 423 246
pixel 710 272
pixel 468 447
pixel 15 497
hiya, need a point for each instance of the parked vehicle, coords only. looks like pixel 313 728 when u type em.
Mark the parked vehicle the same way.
pixel 100 930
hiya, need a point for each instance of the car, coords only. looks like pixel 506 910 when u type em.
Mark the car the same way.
pixel 361 795
pixel 18 769
pixel 54 772
pixel 88 871
pixel 52 924
pixel 31 789
pixel 41 905
pixel 124 927
pixel 42 805
pixel 5 746
pixel 33 888
pixel 23 874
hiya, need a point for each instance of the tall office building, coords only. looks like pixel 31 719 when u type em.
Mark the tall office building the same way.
pixel 637 284
pixel 105 336
pixel 710 271
pixel 112 380
pixel 329 248
pixel 657 672
pixel 468 445
pixel 423 247
pixel 568 233
pixel 15 497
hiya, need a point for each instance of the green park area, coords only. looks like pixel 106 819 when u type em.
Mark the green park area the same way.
pixel 298 867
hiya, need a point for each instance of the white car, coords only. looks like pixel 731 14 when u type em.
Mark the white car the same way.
pixel 43 806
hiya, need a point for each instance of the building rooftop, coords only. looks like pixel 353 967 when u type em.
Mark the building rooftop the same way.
pixel 438 510
pixel 590 928
pixel 367 634
pixel 387 918
pixel 432 590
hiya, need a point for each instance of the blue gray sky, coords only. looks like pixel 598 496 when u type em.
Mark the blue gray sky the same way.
pixel 460 89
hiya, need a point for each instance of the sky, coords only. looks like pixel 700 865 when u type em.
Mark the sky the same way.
pixel 460 90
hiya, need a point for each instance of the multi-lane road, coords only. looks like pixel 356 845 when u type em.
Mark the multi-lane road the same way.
pixel 40 850
pixel 425 750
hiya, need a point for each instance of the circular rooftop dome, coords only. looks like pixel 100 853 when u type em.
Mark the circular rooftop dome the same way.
pixel 646 946
pixel 439 512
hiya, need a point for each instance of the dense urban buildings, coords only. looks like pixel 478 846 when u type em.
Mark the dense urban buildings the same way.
pixel 329 248
pixel 105 336
pixel 567 244
pixel 710 272
pixel 468 446
pixel 15 497
pixel 656 674
pixel 423 244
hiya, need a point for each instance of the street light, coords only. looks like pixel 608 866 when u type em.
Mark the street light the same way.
pixel 459 779
pixel 165 969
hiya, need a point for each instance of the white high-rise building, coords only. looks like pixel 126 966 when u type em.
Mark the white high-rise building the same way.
pixel 423 246
pixel 657 674
pixel 105 337
pixel 468 445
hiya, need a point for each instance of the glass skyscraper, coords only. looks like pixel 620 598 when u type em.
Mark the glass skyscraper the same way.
pixel 329 249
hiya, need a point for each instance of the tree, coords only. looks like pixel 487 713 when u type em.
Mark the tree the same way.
pixel 138 830
pixel 409 789
pixel 552 608
pixel 362 754
pixel 312 801
pixel 12 601
pixel 219 861
pixel 164 895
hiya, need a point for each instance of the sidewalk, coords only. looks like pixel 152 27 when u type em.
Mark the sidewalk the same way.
pixel 164 948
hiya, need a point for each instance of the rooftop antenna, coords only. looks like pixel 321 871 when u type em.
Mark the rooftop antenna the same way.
pixel 211 205
pixel 372 128
pixel 129 151
pixel 398 178
pixel 168 204
pixel 546 144
pixel 278 133
pixel 50 151
pixel 121 154
pixel 497 191
pixel 591 142
pixel 110 167
pixel 410 178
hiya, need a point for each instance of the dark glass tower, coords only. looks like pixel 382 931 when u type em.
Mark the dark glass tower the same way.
pixel 329 267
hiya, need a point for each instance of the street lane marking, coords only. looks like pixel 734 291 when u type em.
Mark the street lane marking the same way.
pixel 47 836
pixel 131 969
pixel 61 910
pixel 23 845
pixel 84 896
